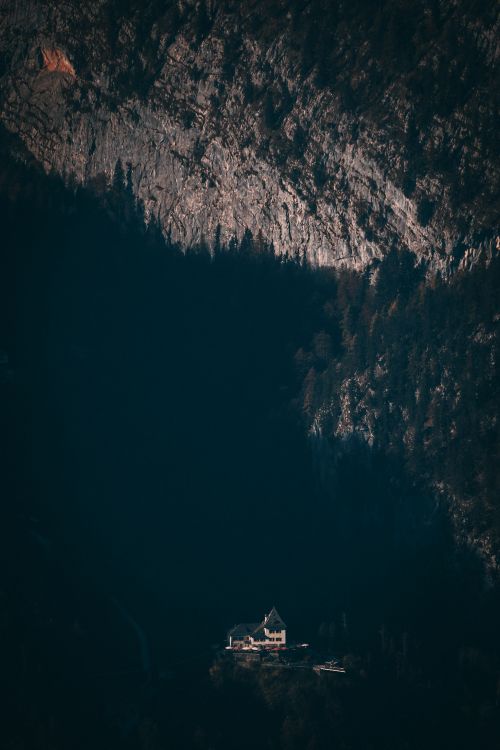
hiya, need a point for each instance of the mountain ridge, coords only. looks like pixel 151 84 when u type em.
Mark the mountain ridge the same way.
pixel 249 116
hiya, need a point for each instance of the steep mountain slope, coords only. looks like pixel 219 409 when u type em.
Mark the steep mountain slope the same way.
pixel 334 129
pixel 154 463
pixel 418 378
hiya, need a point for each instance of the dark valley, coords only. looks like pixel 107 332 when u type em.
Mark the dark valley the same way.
pixel 249 357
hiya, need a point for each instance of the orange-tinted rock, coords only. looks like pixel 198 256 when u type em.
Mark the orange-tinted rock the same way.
pixel 54 60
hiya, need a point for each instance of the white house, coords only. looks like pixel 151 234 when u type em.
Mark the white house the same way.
pixel 270 633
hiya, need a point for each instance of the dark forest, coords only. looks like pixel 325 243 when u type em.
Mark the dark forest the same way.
pixel 171 467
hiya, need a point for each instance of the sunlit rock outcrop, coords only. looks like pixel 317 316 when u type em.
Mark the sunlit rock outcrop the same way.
pixel 224 122
pixel 55 61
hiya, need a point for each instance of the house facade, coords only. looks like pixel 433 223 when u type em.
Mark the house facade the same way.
pixel 270 633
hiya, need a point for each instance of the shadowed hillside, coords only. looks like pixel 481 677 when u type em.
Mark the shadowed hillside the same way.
pixel 169 470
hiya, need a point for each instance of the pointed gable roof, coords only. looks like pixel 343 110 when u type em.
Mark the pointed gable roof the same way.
pixel 272 621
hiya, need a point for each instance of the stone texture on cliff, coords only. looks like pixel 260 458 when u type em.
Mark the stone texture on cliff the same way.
pixel 221 122
pixel 55 61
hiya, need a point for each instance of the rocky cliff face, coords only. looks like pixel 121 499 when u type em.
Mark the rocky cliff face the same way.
pixel 334 131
